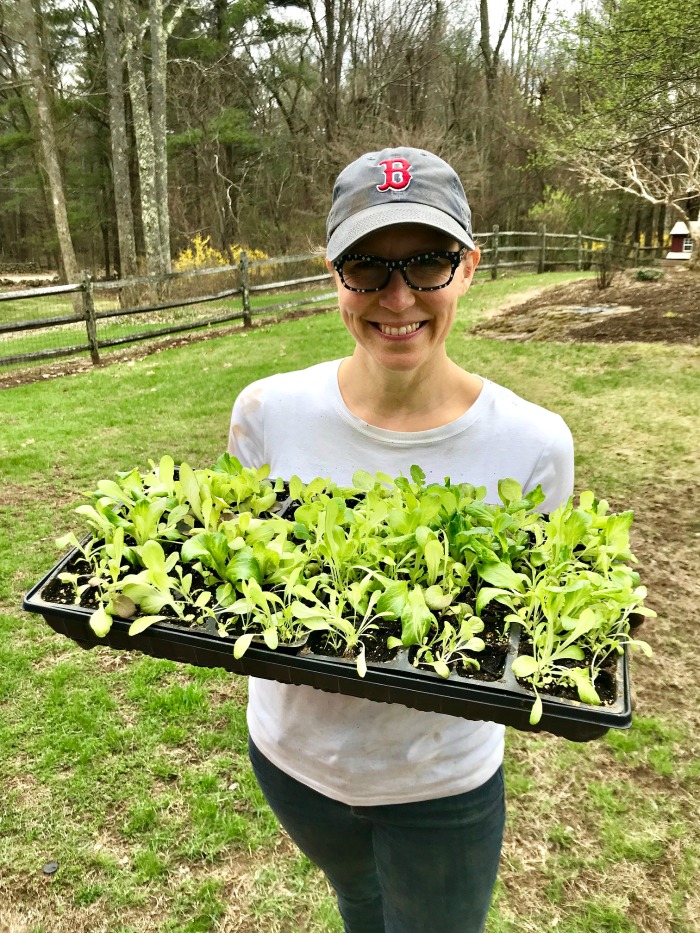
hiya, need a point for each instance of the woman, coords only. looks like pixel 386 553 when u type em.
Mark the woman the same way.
pixel 402 809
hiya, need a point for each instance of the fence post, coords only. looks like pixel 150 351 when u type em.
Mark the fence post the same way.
pixel 494 253
pixel 606 265
pixel 89 313
pixel 543 250
pixel 245 290
pixel 579 252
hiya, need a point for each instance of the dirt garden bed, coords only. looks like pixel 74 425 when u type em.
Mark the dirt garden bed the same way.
pixel 664 311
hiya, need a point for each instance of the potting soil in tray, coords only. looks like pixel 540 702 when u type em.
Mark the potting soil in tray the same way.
pixel 501 700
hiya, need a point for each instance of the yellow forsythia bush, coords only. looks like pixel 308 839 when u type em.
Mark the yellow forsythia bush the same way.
pixel 200 254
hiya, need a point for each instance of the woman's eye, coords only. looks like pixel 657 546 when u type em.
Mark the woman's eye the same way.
pixel 363 265
pixel 353 266
pixel 431 262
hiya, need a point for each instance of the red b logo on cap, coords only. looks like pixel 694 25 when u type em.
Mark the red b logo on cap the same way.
pixel 397 174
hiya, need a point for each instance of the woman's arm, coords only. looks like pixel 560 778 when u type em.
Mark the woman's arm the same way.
pixel 555 470
pixel 246 438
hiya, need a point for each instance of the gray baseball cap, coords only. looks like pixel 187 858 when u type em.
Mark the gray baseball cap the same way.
pixel 396 186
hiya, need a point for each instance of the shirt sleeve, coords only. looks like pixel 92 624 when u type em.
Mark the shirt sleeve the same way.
pixel 555 469
pixel 246 439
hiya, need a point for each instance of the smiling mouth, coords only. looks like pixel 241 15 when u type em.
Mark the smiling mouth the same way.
pixel 399 331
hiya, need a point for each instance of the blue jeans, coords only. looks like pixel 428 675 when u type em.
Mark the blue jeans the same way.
pixel 426 867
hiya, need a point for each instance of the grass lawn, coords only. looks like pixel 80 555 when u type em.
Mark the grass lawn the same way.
pixel 131 774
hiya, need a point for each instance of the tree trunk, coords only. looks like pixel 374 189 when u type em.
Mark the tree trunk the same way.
pixel 694 229
pixel 128 265
pixel 159 62
pixel 145 146
pixel 220 217
pixel 660 229
pixel 47 138
pixel 331 34
pixel 104 230
pixel 649 225
pixel 637 229
pixel 199 205
pixel 491 54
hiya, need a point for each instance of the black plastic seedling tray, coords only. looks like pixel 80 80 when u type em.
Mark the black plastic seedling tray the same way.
pixel 397 681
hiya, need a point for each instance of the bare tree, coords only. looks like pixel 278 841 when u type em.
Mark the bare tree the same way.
pixel 531 28
pixel 667 172
pixel 29 19
pixel 491 53
pixel 119 141
pixel 632 124
pixel 160 30
pixel 331 22
pixel 150 123
pixel 145 145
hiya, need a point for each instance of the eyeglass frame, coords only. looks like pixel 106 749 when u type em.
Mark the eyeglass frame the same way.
pixel 400 265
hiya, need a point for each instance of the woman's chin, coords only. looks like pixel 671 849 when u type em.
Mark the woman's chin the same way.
pixel 398 358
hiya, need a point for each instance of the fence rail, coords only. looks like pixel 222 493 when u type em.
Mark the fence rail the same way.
pixel 142 308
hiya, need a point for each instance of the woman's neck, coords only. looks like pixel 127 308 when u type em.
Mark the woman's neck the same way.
pixel 407 401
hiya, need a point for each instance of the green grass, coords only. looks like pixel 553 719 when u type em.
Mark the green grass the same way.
pixel 132 772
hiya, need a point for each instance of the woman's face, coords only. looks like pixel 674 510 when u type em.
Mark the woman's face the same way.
pixel 425 319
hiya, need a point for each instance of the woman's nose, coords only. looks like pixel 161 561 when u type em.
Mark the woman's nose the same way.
pixel 396 295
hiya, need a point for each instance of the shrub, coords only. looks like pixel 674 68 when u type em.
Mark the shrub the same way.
pixel 647 275
pixel 609 262
pixel 200 254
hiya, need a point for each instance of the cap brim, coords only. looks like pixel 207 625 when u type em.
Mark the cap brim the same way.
pixel 380 216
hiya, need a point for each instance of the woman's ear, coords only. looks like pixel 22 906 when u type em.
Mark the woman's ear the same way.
pixel 331 268
pixel 473 257
pixel 469 264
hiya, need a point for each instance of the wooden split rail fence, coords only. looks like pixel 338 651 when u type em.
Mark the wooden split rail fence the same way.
pixel 147 307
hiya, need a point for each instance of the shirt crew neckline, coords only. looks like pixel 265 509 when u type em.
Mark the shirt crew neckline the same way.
pixel 411 438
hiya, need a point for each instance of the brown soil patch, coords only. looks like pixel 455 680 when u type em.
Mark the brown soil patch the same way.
pixel 665 311
pixel 666 540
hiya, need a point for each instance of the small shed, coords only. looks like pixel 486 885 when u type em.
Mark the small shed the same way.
pixel 681 242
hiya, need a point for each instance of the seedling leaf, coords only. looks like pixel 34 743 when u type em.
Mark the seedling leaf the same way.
pixel 363 480
pixel 524 666
pixel 295 487
pixel 441 669
pixel 417 475
pixel 100 622
pixel 242 644
pixel 143 622
pixel 503 576
pixel 509 491
pixel 393 600
pixel 586 691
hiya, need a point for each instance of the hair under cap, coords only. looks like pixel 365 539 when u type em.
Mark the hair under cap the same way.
pixel 396 186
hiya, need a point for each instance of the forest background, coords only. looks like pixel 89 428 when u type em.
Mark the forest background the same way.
pixel 129 128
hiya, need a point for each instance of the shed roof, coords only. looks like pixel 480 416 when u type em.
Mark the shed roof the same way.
pixel 680 227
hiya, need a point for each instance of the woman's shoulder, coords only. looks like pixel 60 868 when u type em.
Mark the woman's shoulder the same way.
pixel 523 413
pixel 311 380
